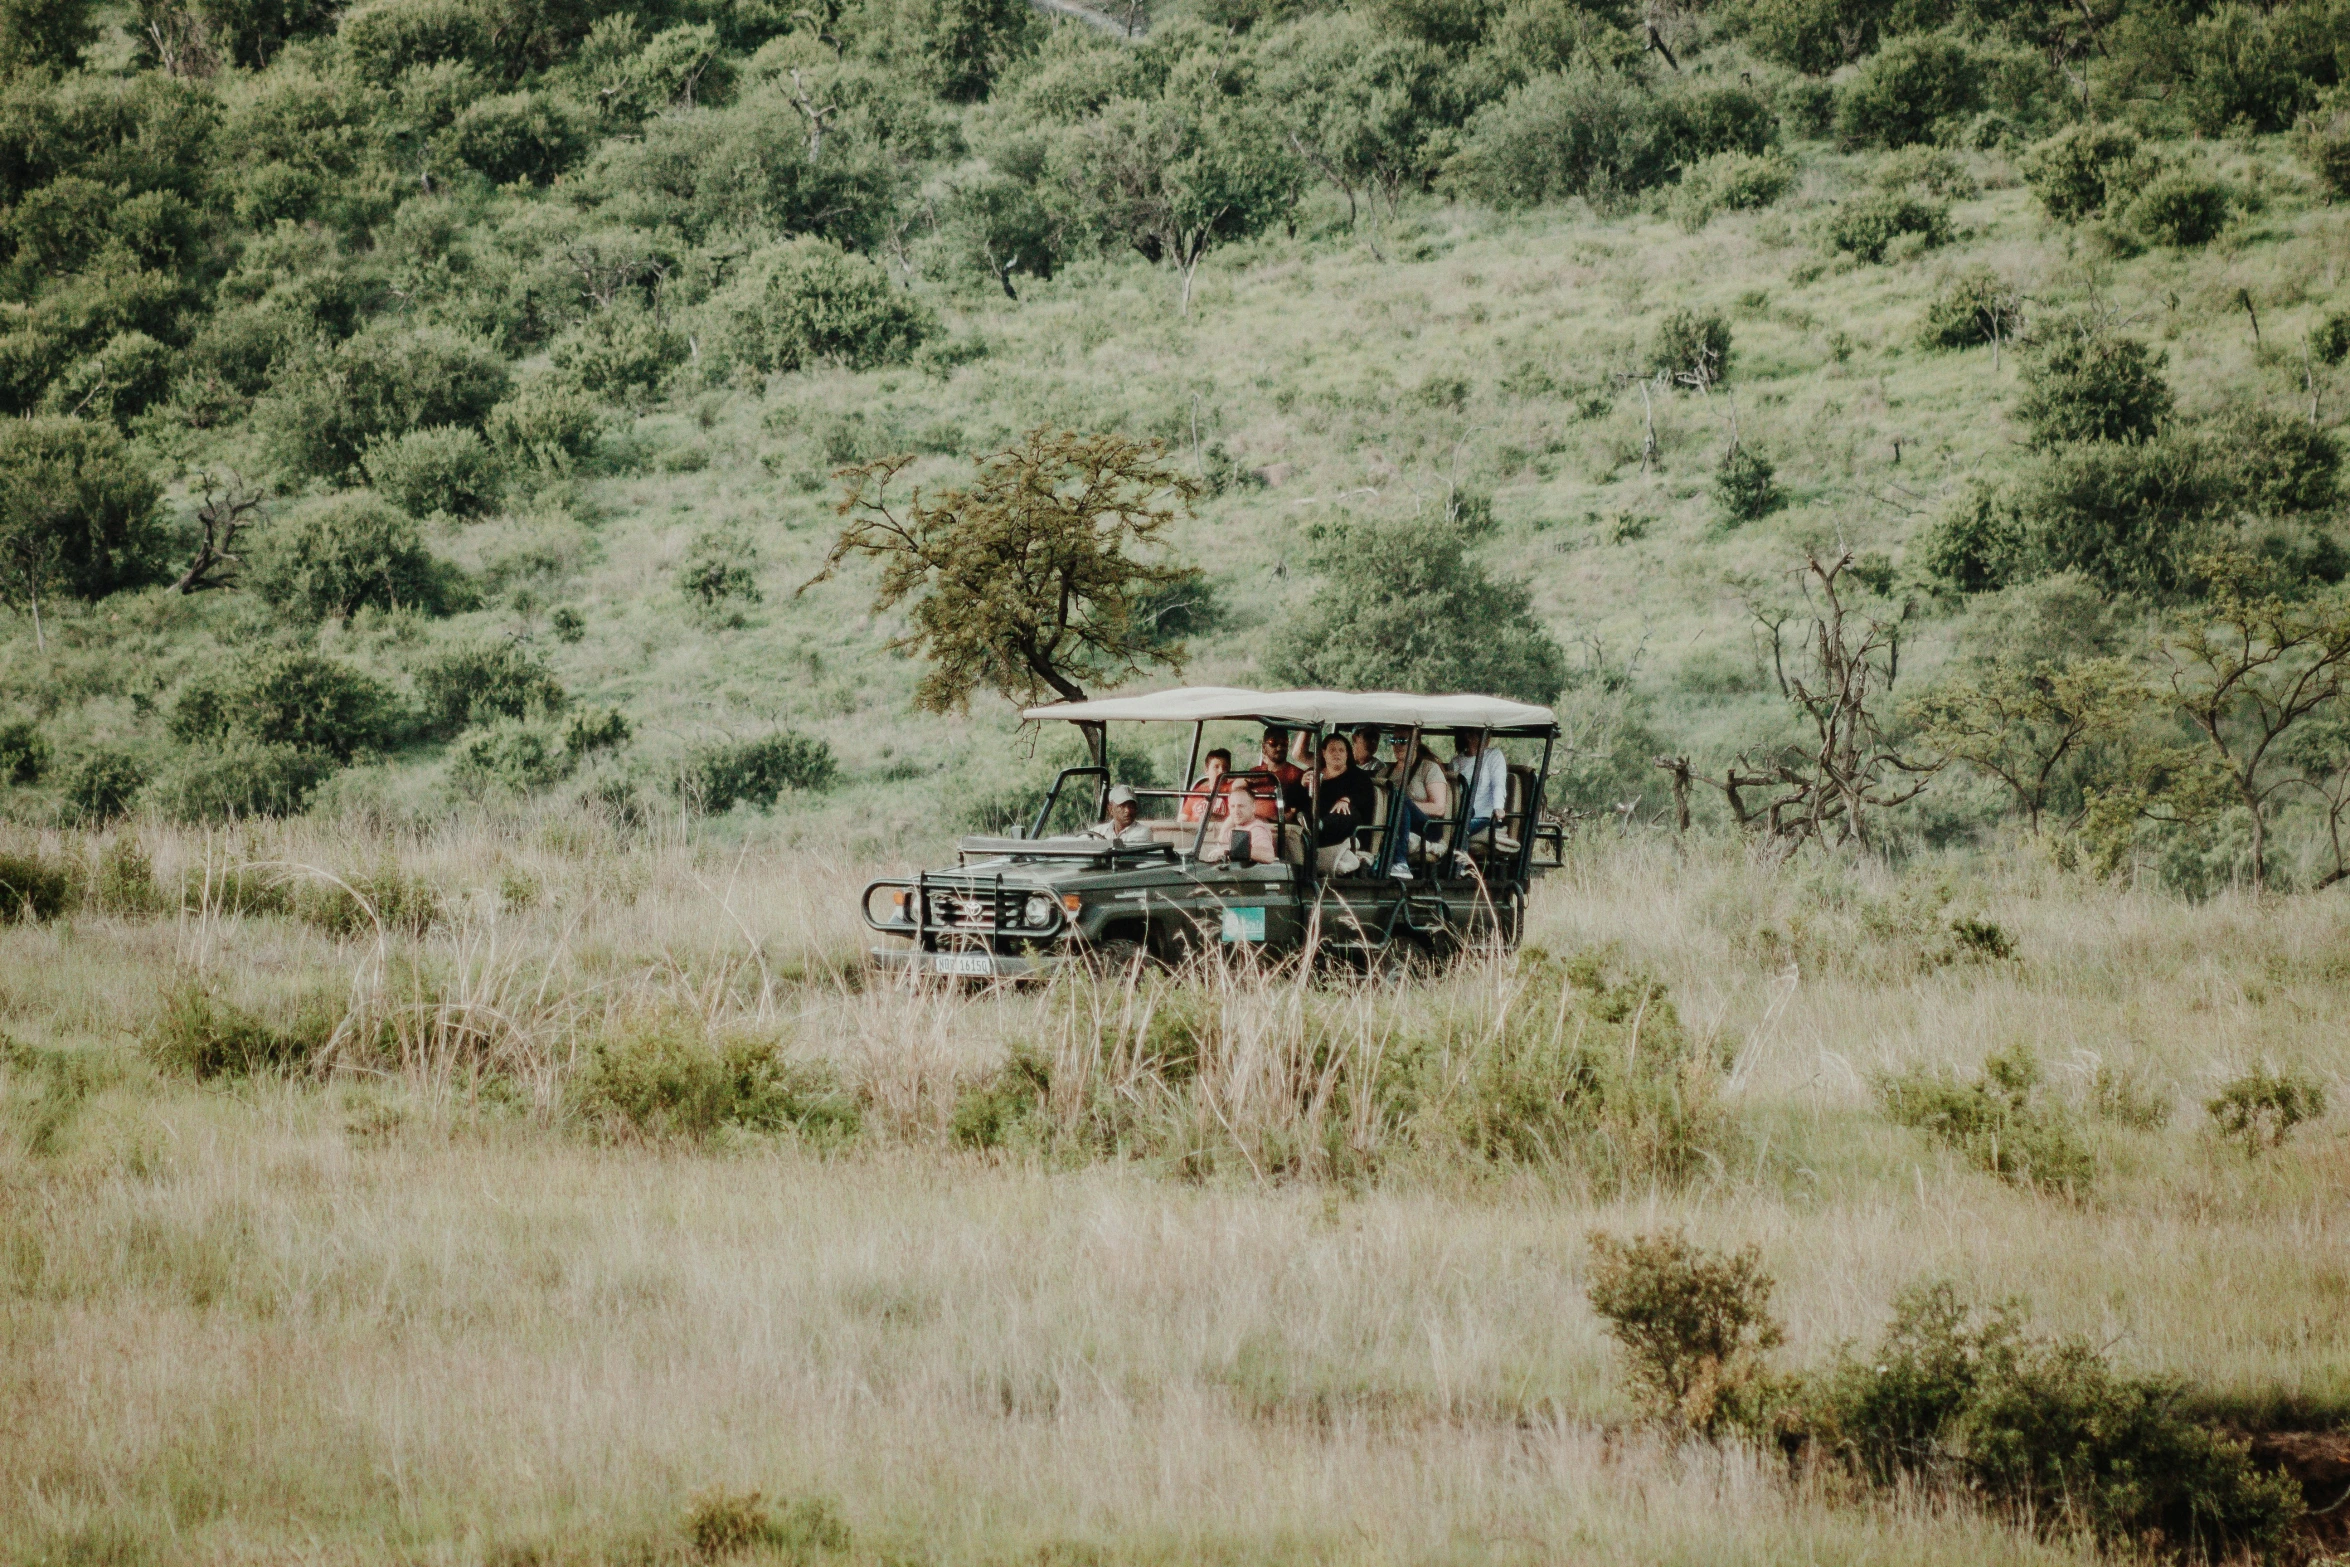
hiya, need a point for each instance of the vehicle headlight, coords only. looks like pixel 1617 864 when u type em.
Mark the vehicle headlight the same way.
pixel 1039 912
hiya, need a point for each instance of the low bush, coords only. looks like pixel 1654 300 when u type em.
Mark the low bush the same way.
pixel 2046 1429
pixel 2081 170
pixel 445 470
pixel 1730 182
pixel 1929 169
pixel 1746 486
pixel 1691 344
pixel 1694 1326
pixel 1001 1108
pixel 2261 1108
pixel 287 697
pixel 63 1081
pixel 336 556
pixel 24 753
pixel 327 404
pixel 360 903
pixel 1869 225
pixel 125 883
pixel 805 300
pixel 2323 136
pixel 670 1079
pixel 76 486
pixel 756 772
pixel 1588 131
pixel 478 683
pixel 1707 122
pixel 100 784
pixel 623 354
pixel 595 729
pixel 720 1524
pixel 199 1034
pixel 507 137
pixel 549 424
pixel 2131 517
pixel 2264 464
pixel 2001 1121
pixel 239 776
pixel 512 756
pixel 2329 340
pixel 720 575
pixel 2086 384
pixel 1971 309
pixel 2181 208
pixel 35 887
pixel 1917 88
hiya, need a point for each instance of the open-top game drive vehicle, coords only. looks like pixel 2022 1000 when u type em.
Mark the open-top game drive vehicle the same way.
pixel 1260 857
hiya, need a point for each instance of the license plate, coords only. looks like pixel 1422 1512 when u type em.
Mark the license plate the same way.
pixel 972 965
pixel 1244 924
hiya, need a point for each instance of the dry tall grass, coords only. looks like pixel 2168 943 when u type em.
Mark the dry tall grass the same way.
pixel 404 1306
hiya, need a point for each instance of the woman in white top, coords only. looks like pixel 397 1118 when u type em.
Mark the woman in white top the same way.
pixel 1420 791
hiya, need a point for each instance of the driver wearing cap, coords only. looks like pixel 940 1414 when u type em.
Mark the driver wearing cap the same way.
pixel 1124 826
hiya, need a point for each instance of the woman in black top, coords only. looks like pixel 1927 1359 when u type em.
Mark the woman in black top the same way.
pixel 1344 797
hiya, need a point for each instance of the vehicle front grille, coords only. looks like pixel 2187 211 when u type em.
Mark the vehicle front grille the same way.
pixel 956 910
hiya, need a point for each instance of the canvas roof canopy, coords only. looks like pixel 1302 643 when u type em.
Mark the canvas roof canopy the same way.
pixel 1391 709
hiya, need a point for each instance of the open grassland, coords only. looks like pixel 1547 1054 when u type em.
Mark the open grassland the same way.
pixel 415 1298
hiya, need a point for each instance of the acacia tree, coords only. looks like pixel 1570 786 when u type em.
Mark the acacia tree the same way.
pixel 1031 579
pixel 2248 667
pixel 2022 721
pixel 1178 175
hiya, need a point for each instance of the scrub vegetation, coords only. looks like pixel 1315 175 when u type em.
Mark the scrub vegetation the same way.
pixel 510 514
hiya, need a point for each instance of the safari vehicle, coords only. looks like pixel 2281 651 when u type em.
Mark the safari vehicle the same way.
pixel 1057 891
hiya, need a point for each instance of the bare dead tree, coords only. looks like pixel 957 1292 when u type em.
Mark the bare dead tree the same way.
pixel 230 506
pixel 1647 385
pixel 818 115
pixel 1826 788
pixel 183 42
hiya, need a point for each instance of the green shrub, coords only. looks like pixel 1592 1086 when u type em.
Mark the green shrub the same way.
pixel 1717 121
pixel 2081 170
pixel 359 903
pixel 1973 308
pixel 382 41
pixel 672 1080
pixel 2257 69
pixel 445 469
pixel 287 697
pixel 2323 136
pixel 2181 208
pixel 2001 1121
pixel 549 424
pixel 719 574
pixel 198 1034
pixel 24 753
pixel 74 487
pixel 2045 1429
pixel 125 884
pixel 1916 88
pixel 2267 464
pixel 2130 516
pixel 518 136
pixel 1694 1326
pixel 1929 169
pixel 2261 1108
pixel 35 887
pixel 481 682
pixel 623 354
pixel 593 730
pixel 805 300
pixel 1587 131
pixel 1746 486
pixel 1690 344
pixel 326 404
pixel 239 776
pixel 511 755
pixel 756 772
pixel 721 1523
pixel 337 556
pixel 1868 225
pixel 116 383
pixel 101 783
pixel 1730 182
pixel 2090 385
pixel 2329 340
pixel 63 1081
pixel 568 624
pixel 1000 1109
pixel 1403 607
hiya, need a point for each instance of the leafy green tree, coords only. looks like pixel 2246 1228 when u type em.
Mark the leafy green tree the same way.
pixel 1910 91
pixel 1400 606
pixel 1001 225
pixel 2026 721
pixel 1177 175
pixel 1359 105
pixel 78 513
pixel 2245 670
pixel 37 33
pixel 2083 169
pixel 326 405
pixel 805 300
pixel 1587 131
pixel 349 552
pixel 2087 384
pixel 1026 582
